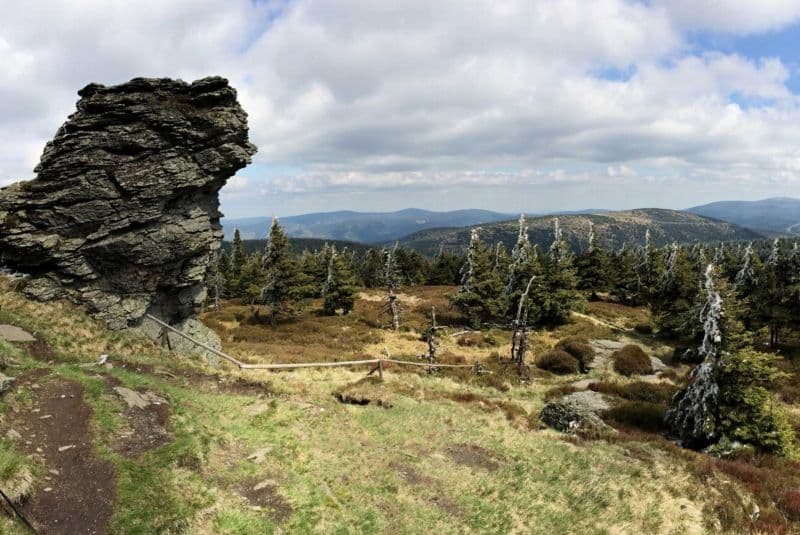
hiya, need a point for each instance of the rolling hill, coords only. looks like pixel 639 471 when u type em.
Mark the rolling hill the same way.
pixel 776 215
pixel 612 229
pixel 361 227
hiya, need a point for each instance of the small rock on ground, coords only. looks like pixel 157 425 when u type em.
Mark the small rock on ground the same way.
pixel 583 384
pixel 5 382
pixel 12 333
pixel 657 364
pixel 136 399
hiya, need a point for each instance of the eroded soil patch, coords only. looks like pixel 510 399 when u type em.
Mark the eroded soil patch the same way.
pixel 369 390
pixel 147 430
pixel 264 494
pixel 473 456
pixel 76 492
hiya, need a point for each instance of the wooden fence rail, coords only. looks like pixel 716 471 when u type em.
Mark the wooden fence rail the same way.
pixel 245 366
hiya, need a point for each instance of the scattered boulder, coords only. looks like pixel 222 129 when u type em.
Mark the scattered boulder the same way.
pixel 123 215
pixel 5 382
pixel 578 413
pixel 137 399
pixel 657 364
pixel 12 333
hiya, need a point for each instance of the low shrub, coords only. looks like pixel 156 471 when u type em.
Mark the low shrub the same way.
pixel 661 393
pixel 790 504
pixel 558 392
pixel 643 328
pixel 476 340
pixel 669 373
pixel 631 360
pixel 639 414
pixel 579 348
pixel 558 361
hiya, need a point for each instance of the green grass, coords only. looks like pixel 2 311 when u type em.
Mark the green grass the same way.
pixel 446 458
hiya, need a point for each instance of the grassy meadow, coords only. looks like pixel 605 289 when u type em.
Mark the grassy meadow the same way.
pixel 453 452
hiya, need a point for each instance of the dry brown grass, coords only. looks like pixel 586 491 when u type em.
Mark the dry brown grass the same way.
pixel 624 316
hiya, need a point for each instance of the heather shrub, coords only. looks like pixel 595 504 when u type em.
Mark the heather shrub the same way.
pixel 643 328
pixel 661 393
pixel 631 360
pixel 558 361
pixel 578 348
pixel 639 414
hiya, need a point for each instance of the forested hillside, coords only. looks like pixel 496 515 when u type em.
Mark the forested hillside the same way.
pixel 364 227
pixel 612 230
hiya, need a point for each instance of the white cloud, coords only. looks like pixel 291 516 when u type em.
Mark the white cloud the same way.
pixel 732 16
pixel 370 96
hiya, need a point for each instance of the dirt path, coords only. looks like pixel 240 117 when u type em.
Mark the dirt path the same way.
pixel 75 494
pixel 598 321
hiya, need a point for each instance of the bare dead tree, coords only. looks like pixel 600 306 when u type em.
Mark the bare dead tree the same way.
pixel 433 341
pixel 522 348
pixel 392 281
pixel 519 324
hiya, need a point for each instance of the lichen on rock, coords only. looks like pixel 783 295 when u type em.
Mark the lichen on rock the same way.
pixel 123 215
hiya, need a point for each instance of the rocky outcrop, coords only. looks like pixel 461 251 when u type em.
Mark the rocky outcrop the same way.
pixel 123 215
pixel 578 413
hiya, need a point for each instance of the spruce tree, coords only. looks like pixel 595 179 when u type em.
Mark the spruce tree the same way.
pixel 445 269
pixel 677 291
pixel 480 295
pixel 251 280
pixel 371 269
pixel 593 267
pixel 555 293
pixel 502 262
pixel 648 270
pixel 624 277
pixel 280 273
pixel 339 290
pixel 727 399
pixel 239 257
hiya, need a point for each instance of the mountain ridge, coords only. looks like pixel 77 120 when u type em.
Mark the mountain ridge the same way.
pixel 774 215
pixel 612 230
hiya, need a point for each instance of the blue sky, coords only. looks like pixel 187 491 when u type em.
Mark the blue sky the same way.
pixel 507 105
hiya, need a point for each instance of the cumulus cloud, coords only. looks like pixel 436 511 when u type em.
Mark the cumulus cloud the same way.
pixel 732 16
pixel 370 96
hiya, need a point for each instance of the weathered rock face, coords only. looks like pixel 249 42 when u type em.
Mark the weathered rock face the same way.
pixel 577 413
pixel 123 215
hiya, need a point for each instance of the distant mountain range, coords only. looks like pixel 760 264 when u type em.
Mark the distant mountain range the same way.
pixel 612 229
pixel 364 227
pixel 779 215
pixel 427 231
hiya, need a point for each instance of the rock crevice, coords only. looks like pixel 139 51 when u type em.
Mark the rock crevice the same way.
pixel 123 215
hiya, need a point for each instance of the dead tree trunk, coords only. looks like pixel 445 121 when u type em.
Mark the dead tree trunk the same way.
pixel 522 348
pixel 519 321
pixel 433 341
pixel 394 308
pixel 391 279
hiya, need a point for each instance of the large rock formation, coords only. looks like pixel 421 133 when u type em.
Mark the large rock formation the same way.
pixel 123 215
